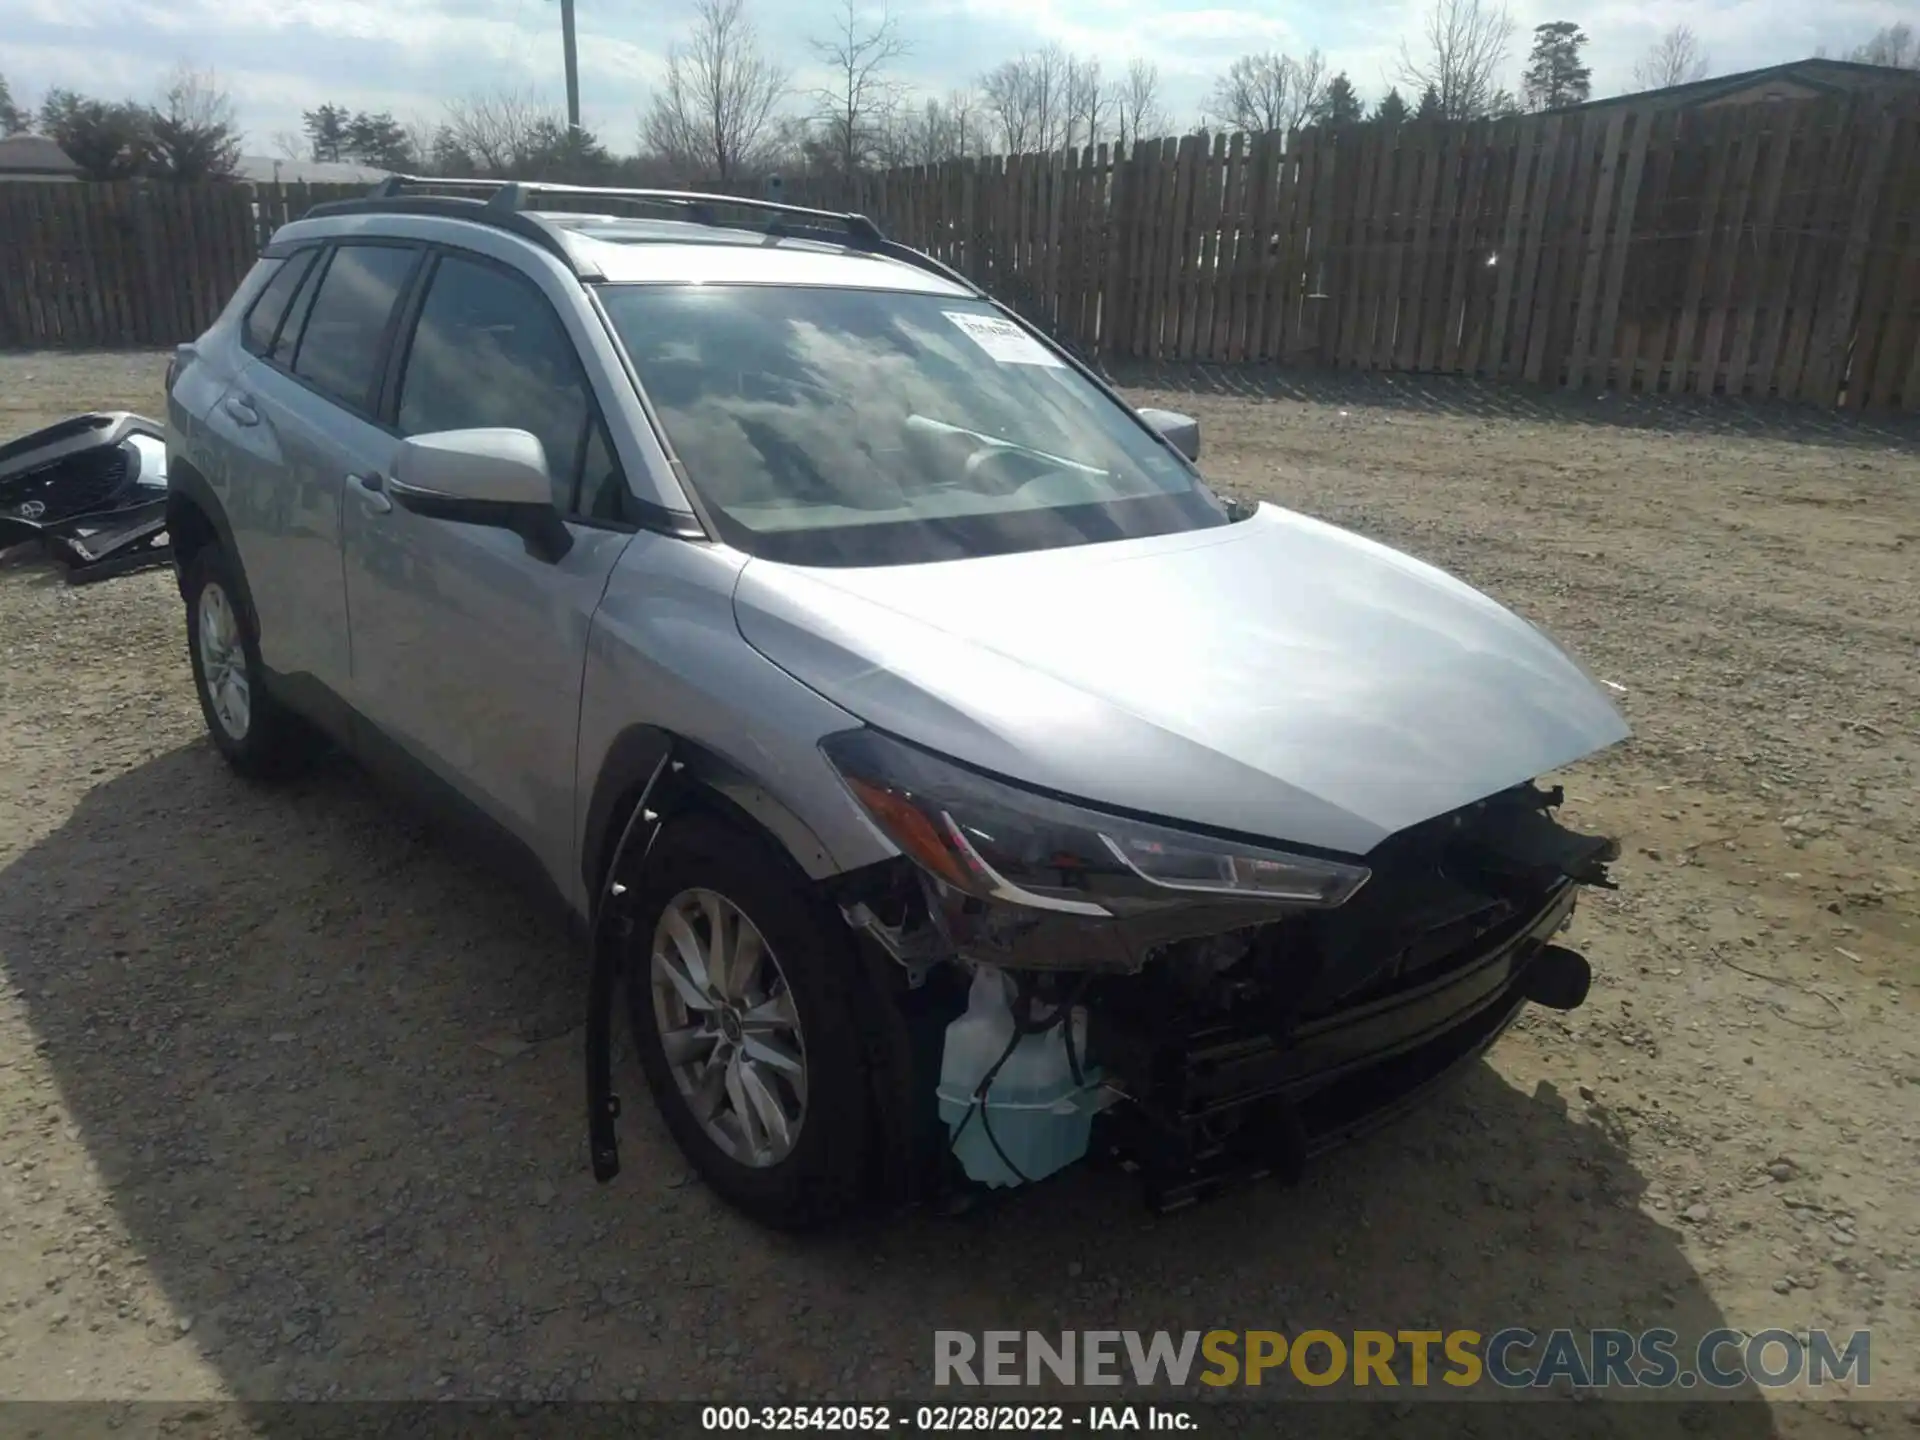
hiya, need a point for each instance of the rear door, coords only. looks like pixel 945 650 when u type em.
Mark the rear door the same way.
pixel 302 416
pixel 467 650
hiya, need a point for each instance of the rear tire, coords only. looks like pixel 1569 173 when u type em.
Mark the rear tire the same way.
pixel 789 1148
pixel 258 737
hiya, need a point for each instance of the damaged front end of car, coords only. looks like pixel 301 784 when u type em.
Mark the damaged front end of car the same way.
pixel 1201 1008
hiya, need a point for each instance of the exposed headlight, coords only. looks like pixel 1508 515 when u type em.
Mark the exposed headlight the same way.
pixel 999 842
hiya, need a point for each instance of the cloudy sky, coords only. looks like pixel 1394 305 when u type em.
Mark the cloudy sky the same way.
pixel 279 57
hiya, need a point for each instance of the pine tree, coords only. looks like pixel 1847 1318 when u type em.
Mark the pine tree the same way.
pixel 1555 75
pixel 1341 104
pixel 326 130
pixel 1430 108
pixel 450 156
pixel 1391 109
pixel 378 140
pixel 108 141
pixel 556 153
pixel 12 118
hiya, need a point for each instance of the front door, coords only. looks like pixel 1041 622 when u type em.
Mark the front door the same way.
pixel 468 651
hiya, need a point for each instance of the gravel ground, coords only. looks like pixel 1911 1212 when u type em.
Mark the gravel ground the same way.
pixel 290 1094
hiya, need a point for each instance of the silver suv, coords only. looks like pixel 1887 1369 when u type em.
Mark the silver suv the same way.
pixel 953 784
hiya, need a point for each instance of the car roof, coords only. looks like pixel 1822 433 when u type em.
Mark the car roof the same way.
pixel 624 250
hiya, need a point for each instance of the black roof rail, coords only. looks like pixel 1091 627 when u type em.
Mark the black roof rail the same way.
pixel 693 204
pixel 392 185
pixel 516 196
pixel 456 207
pixel 506 205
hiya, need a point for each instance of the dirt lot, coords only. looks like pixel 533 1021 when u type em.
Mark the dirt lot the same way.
pixel 290 1093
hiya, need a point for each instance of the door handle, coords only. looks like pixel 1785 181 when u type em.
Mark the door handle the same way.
pixel 240 409
pixel 372 491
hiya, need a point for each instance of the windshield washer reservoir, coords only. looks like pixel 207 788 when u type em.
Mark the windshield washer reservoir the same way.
pixel 1034 1114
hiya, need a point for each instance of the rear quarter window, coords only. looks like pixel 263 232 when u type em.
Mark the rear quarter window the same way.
pixel 289 337
pixel 265 315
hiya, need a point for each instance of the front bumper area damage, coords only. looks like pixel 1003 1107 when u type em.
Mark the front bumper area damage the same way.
pixel 1229 1039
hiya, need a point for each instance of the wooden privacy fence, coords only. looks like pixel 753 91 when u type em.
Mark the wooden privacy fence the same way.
pixel 130 263
pixel 1755 250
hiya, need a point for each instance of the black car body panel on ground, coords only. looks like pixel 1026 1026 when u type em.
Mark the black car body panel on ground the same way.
pixel 93 490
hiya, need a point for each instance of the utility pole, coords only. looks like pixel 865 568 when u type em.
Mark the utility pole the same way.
pixel 573 65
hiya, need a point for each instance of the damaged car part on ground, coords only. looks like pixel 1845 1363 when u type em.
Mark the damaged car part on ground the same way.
pixel 92 489
pixel 953 785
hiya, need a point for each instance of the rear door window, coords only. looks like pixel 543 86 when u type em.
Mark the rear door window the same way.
pixel 345 335
pixel 263 319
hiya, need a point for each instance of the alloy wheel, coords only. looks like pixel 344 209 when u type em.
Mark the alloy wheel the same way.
pixel 728 1027
pixel 223 662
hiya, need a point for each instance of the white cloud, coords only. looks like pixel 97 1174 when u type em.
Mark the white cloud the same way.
pixel 411 56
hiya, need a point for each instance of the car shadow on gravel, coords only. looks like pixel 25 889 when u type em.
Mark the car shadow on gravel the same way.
pixel 1471 398
pixel 329 1072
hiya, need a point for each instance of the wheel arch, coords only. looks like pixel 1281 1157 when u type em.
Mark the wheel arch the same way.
pixel 693 779
pixel 195 520
pixel 698 779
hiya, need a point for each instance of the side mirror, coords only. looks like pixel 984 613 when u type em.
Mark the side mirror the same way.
pixel 1180 431
pixel 483 477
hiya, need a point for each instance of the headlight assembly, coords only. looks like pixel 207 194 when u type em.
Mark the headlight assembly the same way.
pixel 999 842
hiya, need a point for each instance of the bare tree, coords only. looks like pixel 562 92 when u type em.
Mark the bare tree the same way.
pixel 1674 59
pixel 290 144
pixel 1269 91
pixel 1089 103
pixel 1464 48
pixel 1137 112
pixel 715 113
pixel 1027 99
pixel 192 133
pixel 496 130
pixel 941 130
pixel 1249 96
pixel 1051 69
pixel 964 124
pixel 1004 91
pixel 853 107
pixel 422 131
pixel 1895 45
pixel 506 133
pixel 889 138
pixel 924 132
pixel 1310 80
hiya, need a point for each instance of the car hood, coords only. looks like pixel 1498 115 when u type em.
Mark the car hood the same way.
pixel 1279 677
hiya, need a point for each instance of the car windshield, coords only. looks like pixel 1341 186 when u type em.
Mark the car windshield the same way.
pixel 868 427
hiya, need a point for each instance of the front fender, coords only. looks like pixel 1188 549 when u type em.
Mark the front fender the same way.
pixel 666 664
pixel 632 760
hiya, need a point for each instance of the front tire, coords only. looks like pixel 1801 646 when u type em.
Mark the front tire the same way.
pixel 256 735
pixel 739 991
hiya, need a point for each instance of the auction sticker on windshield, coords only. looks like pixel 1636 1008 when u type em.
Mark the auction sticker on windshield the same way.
pixel 1002 339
